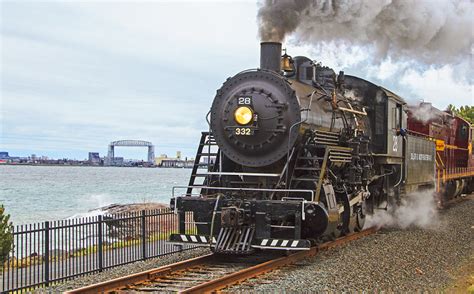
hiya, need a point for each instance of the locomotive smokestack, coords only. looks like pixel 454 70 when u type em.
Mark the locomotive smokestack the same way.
pixel 270 55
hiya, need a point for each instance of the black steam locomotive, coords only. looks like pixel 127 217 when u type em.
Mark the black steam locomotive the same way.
pixel 295 154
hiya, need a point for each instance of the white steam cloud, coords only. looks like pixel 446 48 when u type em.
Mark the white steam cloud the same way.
pixel 433 32
pixel 425 112
pixel 417 209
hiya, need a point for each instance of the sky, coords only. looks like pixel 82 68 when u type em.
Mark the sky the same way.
pixel 76 75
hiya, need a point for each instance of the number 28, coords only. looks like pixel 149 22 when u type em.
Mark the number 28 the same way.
pixel 244 100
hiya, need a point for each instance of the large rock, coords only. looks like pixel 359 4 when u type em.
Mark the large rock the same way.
pixel 124 221
pixel 132 207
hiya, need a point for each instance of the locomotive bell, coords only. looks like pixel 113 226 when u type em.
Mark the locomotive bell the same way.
pixel 286 62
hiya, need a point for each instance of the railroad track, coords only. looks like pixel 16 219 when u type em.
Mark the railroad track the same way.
pixel 208 273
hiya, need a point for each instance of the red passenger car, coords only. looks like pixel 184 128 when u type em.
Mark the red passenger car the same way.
pixel 454 139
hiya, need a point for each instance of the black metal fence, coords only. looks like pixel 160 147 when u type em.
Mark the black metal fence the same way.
pixel 49 252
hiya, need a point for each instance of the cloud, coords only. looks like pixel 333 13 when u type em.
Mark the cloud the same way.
pixel 439 86
pixel 76 75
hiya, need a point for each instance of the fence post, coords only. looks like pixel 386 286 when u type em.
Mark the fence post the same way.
pixel 182 220
pixel 144 235
pixel 46 253
pixel 100 243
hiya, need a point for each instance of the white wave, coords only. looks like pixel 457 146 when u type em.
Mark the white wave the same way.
pixel 95 204
pixel 90 213
pixel 99 200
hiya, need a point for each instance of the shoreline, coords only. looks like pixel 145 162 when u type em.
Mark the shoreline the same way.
pixel 84 165
pixel 42 193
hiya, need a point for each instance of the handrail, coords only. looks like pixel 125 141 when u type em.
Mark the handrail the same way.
pixel 324 166
pixel 241 174
pixel 448 173
pixel 243 189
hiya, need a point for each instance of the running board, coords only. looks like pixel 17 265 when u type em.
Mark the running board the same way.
pixel 282 244
pixel 191 239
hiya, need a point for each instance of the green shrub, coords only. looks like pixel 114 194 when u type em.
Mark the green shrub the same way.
pixel 6 235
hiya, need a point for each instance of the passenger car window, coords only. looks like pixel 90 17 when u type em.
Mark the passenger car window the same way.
pixel 463 132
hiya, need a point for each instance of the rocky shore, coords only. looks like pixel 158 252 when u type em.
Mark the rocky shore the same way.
pixel 130 208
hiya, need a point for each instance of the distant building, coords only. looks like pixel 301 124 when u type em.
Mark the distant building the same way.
pixel 172 162
pixel 94 158
pixel 189 163
pixel 208 159
pixel 117 161
pixel 6 158
pixel 164 161
pixel 159 159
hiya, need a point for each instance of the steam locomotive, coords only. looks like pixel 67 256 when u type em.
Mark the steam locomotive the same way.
pixel 297 154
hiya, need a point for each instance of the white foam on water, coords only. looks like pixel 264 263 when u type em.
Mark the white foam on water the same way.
pixel 91 213
pixel 95 203
pixel 99 200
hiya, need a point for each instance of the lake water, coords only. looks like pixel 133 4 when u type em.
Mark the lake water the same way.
pixel 38 193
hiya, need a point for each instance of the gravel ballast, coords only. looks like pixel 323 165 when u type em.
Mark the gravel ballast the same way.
pixel 392 260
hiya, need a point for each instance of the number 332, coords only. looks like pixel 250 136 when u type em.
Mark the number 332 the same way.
pixel 243 131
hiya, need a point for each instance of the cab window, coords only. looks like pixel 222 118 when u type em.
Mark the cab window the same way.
pixel 397 117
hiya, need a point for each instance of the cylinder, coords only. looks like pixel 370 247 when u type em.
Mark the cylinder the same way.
pixel 270 54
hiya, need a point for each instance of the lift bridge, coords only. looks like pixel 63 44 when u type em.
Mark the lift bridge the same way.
pixel 130 143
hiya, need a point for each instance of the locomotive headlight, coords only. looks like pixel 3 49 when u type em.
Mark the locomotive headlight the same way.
pixel 243 115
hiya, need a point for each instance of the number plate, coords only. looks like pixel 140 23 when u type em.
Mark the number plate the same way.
pixel 244 101
pixel 243 131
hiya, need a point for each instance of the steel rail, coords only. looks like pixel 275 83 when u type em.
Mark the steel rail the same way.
pixel 224 281
pixel 141 276
pixel 251 272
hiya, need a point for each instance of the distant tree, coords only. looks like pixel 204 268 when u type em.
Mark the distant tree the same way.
pixel 466 112
pixel 451 108
pixel 6 235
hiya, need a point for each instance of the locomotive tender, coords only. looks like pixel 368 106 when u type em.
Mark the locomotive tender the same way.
pixel 297 154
